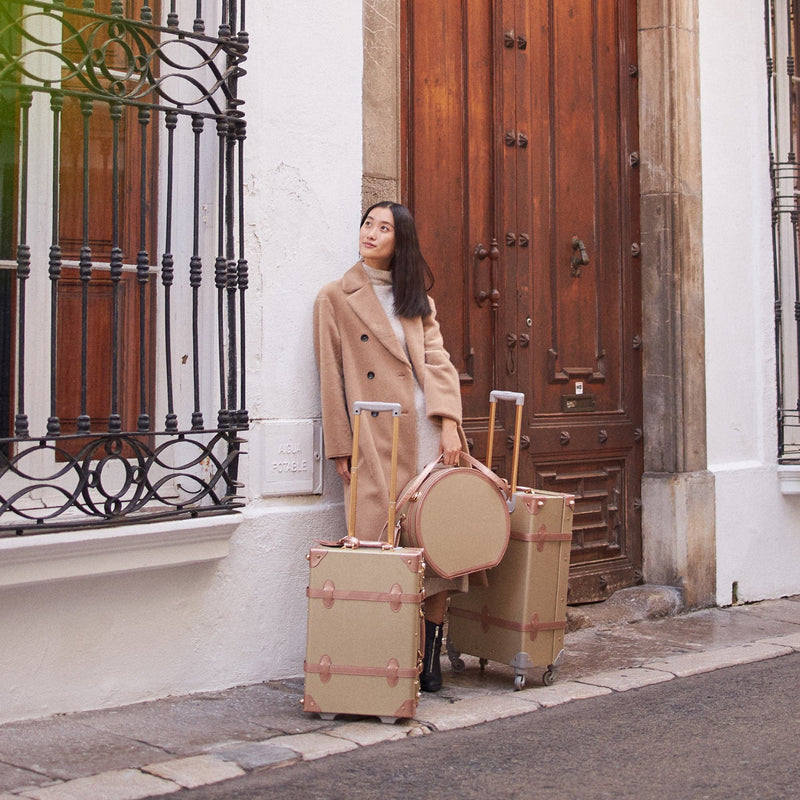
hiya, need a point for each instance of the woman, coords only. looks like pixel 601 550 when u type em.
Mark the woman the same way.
pixel 377 339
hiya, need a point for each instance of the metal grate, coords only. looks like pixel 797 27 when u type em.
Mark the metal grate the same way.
pixel 782 31
pixel 167 95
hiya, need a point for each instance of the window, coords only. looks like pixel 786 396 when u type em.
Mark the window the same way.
pixel 122 271
pixel 783 25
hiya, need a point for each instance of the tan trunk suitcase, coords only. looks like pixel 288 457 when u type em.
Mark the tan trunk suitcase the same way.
pixel 520 617
pixel 364 611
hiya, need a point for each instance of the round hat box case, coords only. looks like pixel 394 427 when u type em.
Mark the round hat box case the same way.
pixel 459 515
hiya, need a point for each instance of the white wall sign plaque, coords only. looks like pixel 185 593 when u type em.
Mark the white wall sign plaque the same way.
pixel 292 457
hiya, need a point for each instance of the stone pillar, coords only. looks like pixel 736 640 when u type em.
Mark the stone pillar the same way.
pixel 678 524
pixel 382 151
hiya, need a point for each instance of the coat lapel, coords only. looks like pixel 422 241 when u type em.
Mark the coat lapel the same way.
pixel 367 307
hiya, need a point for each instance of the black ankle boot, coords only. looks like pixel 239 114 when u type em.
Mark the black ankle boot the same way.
pixel 430 680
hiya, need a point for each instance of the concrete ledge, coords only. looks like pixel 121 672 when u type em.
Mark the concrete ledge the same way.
pixel 789 478
pixel 127 548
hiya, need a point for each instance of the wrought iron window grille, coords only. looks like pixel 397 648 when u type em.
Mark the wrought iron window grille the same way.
pixel 155 454
pixel 782 31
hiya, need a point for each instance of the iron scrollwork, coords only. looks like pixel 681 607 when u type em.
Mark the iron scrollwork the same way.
pixel 113 479
pixel 52 481
pixel 112 57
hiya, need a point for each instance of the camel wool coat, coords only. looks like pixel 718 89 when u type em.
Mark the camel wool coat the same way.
pixel 360 359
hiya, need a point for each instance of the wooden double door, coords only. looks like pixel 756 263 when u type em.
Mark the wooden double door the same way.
pixel 521 168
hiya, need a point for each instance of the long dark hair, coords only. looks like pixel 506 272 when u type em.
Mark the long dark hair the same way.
pixel 412 278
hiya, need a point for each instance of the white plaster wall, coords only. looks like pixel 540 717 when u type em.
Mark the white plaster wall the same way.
pixel 303 198
pixel 757 528
pixel 109 640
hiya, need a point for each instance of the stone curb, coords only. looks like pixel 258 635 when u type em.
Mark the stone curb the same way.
pixel 476 710
pixel 311 746
pixel 688 664
pixel 252 756
pixel 789 640
pixel 122 784
pixel 195 770
pixel 367 733
pixel 623 680
pixel 566 692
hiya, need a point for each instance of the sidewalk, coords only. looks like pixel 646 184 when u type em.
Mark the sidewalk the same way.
pixel 159 747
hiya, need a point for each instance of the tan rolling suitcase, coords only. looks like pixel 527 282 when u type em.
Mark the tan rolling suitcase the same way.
pixel 520 617
pixel 364 611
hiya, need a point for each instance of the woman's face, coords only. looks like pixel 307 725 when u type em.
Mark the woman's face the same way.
pixel 376 238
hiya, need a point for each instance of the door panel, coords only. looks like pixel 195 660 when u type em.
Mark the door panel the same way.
pixel 449 125
pixel 521 131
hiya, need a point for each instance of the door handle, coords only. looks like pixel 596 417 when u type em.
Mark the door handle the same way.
pixel 580 259
pixel 491 293
pixel 493 254
pixel 511 359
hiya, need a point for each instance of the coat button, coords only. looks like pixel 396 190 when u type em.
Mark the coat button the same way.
pixel 364 337
pixel 370 375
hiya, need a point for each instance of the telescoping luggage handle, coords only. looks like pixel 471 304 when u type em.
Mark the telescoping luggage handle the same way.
pixel 375 408
pixel 519 400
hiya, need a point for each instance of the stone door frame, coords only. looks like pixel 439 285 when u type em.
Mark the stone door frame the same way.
pixel 678 507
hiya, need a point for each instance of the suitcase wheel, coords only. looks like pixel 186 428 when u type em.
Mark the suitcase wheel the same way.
pixel 519 682
pixel 549 677
pixel 456 662
pixel 483 662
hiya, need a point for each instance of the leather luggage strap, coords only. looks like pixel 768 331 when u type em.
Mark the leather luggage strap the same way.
pixel 395 597
pixel 540 537
pixel 391 672
pixel 536 502
pixel 501 485
pixel 352 543
pixel 534 627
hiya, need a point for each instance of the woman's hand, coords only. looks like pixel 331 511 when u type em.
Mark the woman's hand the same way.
pixel 343 467
pixel 450 442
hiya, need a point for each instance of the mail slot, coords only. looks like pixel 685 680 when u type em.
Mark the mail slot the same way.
pixel 571 403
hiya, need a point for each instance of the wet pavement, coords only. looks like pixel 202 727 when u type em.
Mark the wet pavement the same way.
pixel 152 749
